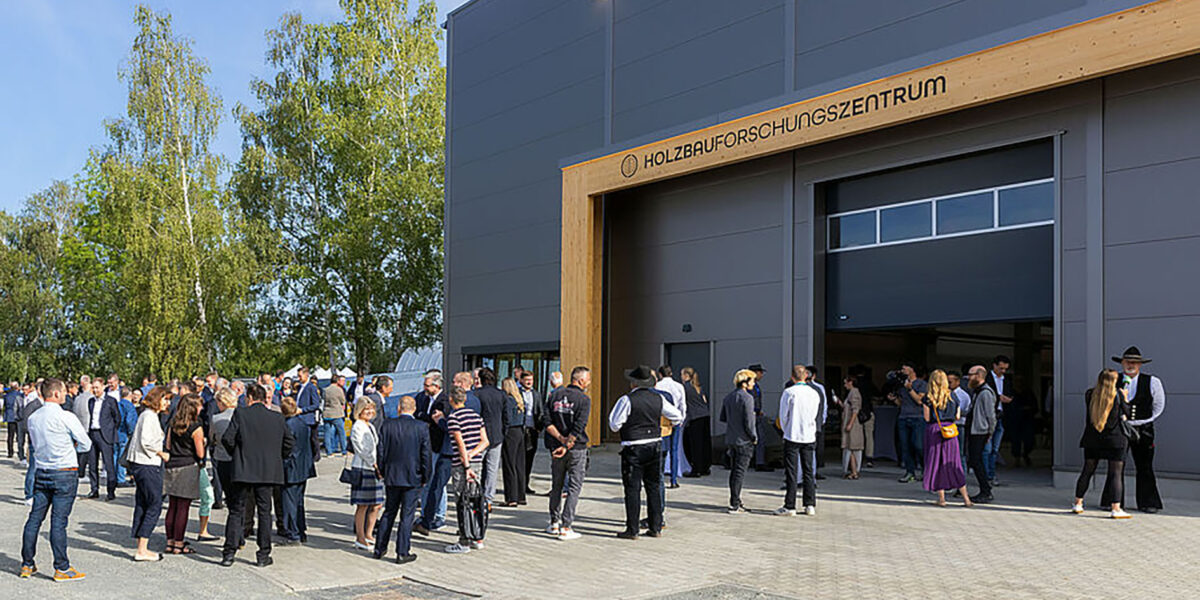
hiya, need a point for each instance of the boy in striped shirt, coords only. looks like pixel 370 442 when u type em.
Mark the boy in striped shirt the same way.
pixel 468 439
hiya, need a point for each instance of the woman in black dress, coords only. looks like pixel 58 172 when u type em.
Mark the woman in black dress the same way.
pixel 1103 439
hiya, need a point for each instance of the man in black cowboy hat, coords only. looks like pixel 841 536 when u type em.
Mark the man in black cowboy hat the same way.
pixel 1147 400
pixel 637 416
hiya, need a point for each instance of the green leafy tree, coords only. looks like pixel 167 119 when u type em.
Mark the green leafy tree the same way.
pixel 342 171
pixel 159 268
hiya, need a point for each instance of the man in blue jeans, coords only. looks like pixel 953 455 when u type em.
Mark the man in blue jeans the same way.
pixel 911 422
pixel 997 378
pixel 57 438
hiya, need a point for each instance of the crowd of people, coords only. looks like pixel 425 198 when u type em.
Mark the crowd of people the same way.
pixel 251 447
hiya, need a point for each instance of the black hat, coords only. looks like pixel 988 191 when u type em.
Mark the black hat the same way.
pixel 757 368
pixel 641 375
pixel 1132 354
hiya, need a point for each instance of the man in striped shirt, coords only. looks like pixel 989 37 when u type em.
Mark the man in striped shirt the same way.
pixel 468 440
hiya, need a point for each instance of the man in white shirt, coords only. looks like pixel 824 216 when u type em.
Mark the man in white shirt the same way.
pixel 799 410
pixel 673 444
pixel 1147 400
pixel 637 417
pixel 56 439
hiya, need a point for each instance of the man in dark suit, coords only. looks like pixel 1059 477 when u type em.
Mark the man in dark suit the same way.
pixel 258 440
pixel 383 389
pixel 405 457
pixel 104 417
pixel 308 402
pixel 534 406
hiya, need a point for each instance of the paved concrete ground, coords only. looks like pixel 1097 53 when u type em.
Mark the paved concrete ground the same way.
pixel 872 538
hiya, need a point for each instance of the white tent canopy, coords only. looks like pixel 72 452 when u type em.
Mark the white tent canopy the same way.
pixel 322 373
pixel 292 372
pixel 347 372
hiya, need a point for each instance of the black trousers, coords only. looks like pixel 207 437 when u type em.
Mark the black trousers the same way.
pixel 697 445
pixel 740 457
pixel 975 444
pixel 512 464
pixel 1114 482
pixel 1146 493
pixel 14 436
pixel 799 457
pixel 531 445
pixel 641 467
pixel 819 447
pixel 402 500
pixel 224 482
pixel 242 495
pixel 102 450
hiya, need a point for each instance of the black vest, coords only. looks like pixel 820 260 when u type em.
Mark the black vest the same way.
pixel 1140 399
pixel 645 411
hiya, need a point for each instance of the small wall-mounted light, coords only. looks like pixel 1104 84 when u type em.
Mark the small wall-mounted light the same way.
pixel 687 327
pixel 843 317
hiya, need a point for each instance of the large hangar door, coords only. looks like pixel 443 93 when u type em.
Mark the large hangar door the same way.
pixel 945 265
pixel 964 240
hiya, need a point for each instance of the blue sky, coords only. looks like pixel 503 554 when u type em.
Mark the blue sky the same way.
pixel 60 73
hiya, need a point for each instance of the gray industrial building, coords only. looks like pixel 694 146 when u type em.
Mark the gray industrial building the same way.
pixel 1058 227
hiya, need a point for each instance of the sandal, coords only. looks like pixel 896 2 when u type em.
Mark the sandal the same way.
pixel 155 558
pixel 207 538
pixel 186 550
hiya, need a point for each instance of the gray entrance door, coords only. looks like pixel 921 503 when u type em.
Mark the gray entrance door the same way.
pixel 694 355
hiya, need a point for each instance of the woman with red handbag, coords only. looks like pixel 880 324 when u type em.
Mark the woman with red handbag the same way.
pixel 943 468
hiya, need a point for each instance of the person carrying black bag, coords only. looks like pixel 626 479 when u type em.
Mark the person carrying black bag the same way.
pixel 469 439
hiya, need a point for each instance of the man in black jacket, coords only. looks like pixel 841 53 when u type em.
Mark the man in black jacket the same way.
pixel 492 401
pixel 535 405
pixel 565 421
pixel 406 459
pixel 258 440
pixel 104 416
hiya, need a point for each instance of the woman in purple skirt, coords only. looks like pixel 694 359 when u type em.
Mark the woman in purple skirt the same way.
pixel 943 464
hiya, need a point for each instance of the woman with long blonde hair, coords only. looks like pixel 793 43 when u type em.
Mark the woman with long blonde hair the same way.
pixel 943 462
pixel 1103 439
pixel 512 453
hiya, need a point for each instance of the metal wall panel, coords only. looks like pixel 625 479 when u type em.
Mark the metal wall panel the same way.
pixel 1151 223
pixel 685 59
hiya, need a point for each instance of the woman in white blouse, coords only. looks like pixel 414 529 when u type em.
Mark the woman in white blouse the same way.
pixel 146 457
pixel 366 491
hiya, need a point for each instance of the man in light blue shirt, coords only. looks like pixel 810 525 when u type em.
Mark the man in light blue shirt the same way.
pixel 57 438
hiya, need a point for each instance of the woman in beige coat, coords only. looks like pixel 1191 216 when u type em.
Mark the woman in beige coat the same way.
pixel 853 436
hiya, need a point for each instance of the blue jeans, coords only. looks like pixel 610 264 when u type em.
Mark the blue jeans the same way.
pixel 122 443
pixel 912 438
pixel 674 446
pixel 53 491
pixel 433 511
pixel 29 475
pixel 335 436
pixel 992 449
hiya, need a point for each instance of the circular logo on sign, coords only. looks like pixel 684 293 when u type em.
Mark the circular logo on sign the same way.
pixel 629 165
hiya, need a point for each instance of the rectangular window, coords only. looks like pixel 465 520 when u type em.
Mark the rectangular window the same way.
pixel 972 212
pixel 905 222
pixel 848 231
pixel 1027 204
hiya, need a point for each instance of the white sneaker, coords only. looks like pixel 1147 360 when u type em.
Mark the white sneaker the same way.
pixel 810 511
pixel 457 549
pixel 360 546
pixel 567 534
pixel 785 512
pixel 553 529
pixel 1077 509
pixel 1121 514
pixel 477 544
